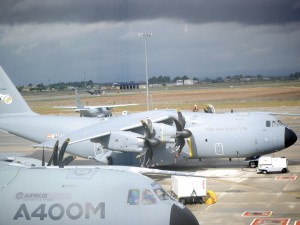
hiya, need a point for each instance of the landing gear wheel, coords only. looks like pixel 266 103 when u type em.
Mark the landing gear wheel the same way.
pixel 252 164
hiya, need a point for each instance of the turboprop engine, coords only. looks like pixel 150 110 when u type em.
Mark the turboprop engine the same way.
pixel 155 134
pixel 125 141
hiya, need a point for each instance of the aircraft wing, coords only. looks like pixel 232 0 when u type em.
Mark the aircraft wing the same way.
pixel 64 107
pixel 283 114
pixel 93 107
pixel 106 126
pixel 111 106
pixel 107 106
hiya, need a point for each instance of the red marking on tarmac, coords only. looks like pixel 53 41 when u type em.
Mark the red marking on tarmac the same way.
pixel 257 214
pixel 262 221
pixel 297 222
pixel 286 178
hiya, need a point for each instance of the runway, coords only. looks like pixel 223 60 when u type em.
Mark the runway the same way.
pixel 243 197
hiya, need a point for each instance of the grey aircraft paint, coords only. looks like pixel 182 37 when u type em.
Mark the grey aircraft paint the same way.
pixel 118 140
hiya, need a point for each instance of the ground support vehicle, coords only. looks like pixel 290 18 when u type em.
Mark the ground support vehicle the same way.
pixel 188 190
pixel 268 164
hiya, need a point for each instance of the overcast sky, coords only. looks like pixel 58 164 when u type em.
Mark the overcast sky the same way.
pixel 65 40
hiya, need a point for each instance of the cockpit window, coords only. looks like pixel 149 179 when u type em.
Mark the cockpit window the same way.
pixel 280 123
pixel 162 195
pixel 274 123
pixel 133 197
pixel 148 198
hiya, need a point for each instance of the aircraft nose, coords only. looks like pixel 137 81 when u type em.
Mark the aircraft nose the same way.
pixel 181 216
pixel 290 137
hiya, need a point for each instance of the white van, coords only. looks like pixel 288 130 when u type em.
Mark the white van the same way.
pixel 268 164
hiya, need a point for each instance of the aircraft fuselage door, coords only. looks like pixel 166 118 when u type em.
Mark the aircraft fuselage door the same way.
pixel 219 148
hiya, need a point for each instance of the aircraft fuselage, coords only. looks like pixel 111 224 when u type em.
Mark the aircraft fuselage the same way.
pixel 85 196
pixel 227 135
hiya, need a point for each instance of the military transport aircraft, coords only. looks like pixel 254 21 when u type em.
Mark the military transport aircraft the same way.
pixel 94 91
pixel 92 111
pixel 151 138
pixel 84 195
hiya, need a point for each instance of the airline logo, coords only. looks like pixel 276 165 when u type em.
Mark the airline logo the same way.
pixel 7 99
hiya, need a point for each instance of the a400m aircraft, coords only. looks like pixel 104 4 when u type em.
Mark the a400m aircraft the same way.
pixel 92 111
pixel 151 138
pixel 105 195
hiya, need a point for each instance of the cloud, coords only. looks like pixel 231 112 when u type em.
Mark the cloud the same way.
pixel 63 39
pixel 191 11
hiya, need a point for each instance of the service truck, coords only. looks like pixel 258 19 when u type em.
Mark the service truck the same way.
pixel 188 190
pixel 269 164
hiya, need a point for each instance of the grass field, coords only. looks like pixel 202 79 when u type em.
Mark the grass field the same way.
pixel 244 95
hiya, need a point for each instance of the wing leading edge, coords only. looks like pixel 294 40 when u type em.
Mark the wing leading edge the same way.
pixel 105 127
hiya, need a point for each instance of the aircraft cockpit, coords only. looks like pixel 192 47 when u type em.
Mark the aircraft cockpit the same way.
pixel 274 123
pixel 146 196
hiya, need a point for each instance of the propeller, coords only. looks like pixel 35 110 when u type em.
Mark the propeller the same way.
pixel 149 142
pixel 57 157
pixel 181 133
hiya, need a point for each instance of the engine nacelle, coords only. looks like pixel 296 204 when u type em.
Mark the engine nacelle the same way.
pixel 125 141
pixel 165 133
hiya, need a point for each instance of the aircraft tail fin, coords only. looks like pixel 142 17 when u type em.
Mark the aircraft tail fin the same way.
pixel 78 103
pixel 11 101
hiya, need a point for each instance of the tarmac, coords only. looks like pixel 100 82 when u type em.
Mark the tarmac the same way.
pixel 243 196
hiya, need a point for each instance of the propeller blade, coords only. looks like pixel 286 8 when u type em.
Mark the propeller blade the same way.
pixel 69 159
pixel 147 157
pixel 149 142
pixel 147 132
pixel 62 152
pixel 180 142
pixel 181 119
pixel 178 125
pixel 181 133
pixel 150 126
pixel 43 157
pixel 54 154
pixel 143 152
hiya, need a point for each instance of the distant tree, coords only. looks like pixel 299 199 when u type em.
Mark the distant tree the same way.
pixel 185 77
pixel 228 78
pixel 90 83
pixel 236 78
pixel 294 76
pixel 176 78
pixel 152 80
pixel 20 89
pixel 40 87
pixel 259 77
pixel 208 80
pixel 180 78
pixel 219 80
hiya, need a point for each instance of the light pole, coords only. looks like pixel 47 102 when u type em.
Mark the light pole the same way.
pixel 146 35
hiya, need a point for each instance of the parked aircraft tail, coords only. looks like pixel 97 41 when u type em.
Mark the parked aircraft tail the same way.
pixel 11 101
